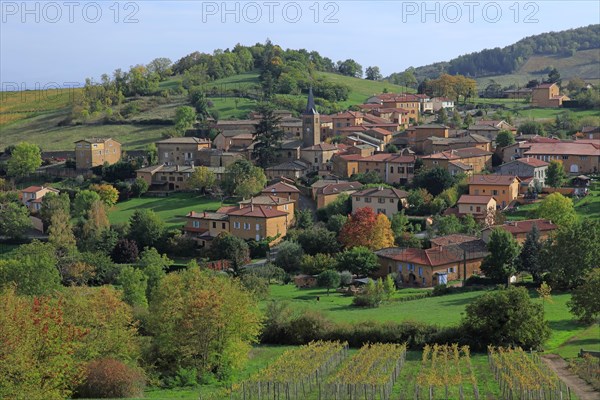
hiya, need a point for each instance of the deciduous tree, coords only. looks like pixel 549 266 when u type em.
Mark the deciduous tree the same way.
pixel 83 202
pixel 500 264
pixel 146 228
pixel 558 209
pixel 364 228
pixel 108 194
pixel 202 179
pixel 529 259
pixel 243 179
pixel 329 279
pixel 228 247
pixel 585 298
pixel 358 260
pixel 25 158
pixel 14 220
pixel 555 175
pixel 32 268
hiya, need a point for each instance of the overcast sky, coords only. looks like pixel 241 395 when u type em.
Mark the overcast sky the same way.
pixel 67 41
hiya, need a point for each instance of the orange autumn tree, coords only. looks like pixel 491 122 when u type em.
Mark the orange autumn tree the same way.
pixel 364 228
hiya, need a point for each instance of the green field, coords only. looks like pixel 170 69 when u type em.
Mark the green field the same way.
pixel 172 209
pixel 586 207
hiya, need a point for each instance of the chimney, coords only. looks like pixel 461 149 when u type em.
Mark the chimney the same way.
pixel 380 188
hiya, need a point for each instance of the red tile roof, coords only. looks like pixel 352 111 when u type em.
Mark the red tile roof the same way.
pixel 457 154
pixel 322 147
pixel 531 161
pixel 525 226
pixel 563 148
pixel 255 210
pixel 32 189
pixel 502 180
pixel 452 239
pixel 438 255
pixel 281 187
pixel 382 192
pixel 334 188
pixel 473 199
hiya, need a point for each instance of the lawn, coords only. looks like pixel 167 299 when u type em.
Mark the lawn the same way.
pixel 171 209
pixel 441 310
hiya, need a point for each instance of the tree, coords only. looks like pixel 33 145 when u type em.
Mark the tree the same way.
pixel 110 378
pixel 329 279
pixel 151 154
pixel 109 321
pixel 243 179
pixel 83 202
pixel 304 219
pixel 500 264
pixel 400 223
pixel 139 187
pixel 52 202
pixel 364 228
pixel 555 175
pixel 358 260
pixel 529 259
pixel 382 235
pixel 185 117
pixel 442 116
pixel 389 286
pixel 468 120
pixel 14 220
pixel 134 284
pixel 268 136
pixel 125 252
pixel 558 209
pixel 146 228
pixel 531 128
pixel 447 225
pixel 228 247
pixel 419 201
pixel 108 194
pixel 350 68
pixel 318 240
pixel 554 77
pixel 37 358
pixel 336 222
pixel 373 74
pixel 504 138
pixel 202 179
pixel 506 317
pixel 25 158
pixel 203 321
pixel 32 268
pixel 314 265
pixel 585 298
pixel 60 233
pixel 572 253
pixel 289 256
pixel 434 180
pixel 160 66
pixel 154 266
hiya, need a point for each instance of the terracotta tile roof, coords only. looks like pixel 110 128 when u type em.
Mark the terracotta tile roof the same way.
pixel 296 165
pixel 455 238
pixel 502 180
pixel 218 216
pixel 376 120
pixel 525 226
pixel 267 200
pixel 544 85
pixel 184 140
pixel 258 211
pixel 97 140
pixel 322 147
pixel 281 187
pixel 457 154
pixel 340 187
pixel 483 128
pixel 350 157
pixel 382 192
pixel 461 165
pixel 473 199
pixel 438 255
pixel 32 189
pixel 531 161
pixel 381 131
pixel 563 148
pixel 348 114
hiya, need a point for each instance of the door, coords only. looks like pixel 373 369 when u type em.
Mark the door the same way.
pixel 442 279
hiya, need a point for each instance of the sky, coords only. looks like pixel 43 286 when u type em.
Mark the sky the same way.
pixel 59 43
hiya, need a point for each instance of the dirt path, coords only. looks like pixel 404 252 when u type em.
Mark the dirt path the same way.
pixel 577 385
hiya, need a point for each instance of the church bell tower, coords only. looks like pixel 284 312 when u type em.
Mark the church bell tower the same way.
pixel 311 124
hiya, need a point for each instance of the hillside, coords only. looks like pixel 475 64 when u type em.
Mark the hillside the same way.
pixel 574 52
pixel 36 117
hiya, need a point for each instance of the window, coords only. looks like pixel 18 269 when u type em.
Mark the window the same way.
pixel 399 267
pixel 424 281
pixel 391 170
pixel 420 271
pixel 166 154
pixel 470 208
pixel 494 192
pixel 246 226
pixel 163 178
pixel 258 227
pixel 358 199
pixel 214 225
pixel 401 170
pixel 367 199
pixel 222 225
pixel 583 157
pixel 392 201
pixel 565 157
pixel 180 179
pixel 381 211
pixel 196 224
pixel 236 225
pixel 316 160
pixel 451 270
pixel 381 200
pixel 478 208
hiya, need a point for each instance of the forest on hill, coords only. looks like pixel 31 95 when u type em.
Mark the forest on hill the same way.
pixel 506 60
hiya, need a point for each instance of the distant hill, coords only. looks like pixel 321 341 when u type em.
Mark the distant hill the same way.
pixel 574 52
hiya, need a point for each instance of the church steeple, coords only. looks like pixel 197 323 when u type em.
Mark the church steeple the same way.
pixel 311 124
pixel 310 104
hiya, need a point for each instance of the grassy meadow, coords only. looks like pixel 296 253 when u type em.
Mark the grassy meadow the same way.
pixel 171 209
